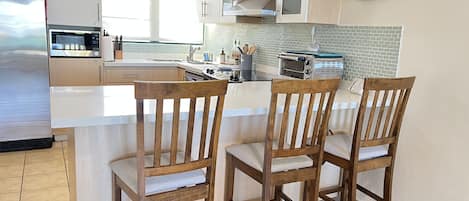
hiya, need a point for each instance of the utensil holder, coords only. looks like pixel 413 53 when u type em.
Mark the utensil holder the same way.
pixel 246 62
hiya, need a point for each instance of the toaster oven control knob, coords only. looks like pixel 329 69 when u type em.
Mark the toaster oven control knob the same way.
pixel 308 71
pixel 307 62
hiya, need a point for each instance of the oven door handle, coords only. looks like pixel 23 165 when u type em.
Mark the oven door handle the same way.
pixel 293 58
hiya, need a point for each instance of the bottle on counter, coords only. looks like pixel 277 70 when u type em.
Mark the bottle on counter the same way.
pixel 222 56
pixel 235 53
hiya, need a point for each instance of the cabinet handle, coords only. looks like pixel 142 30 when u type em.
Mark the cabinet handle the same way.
pixel 99 14
pixel 204 8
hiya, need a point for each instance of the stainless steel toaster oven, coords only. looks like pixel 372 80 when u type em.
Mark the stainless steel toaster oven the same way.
pixel 311 65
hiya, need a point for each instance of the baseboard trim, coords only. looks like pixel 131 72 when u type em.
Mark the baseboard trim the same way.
pixel 22 145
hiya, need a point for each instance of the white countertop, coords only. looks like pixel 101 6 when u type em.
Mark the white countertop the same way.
pixel 107 105
pixel 156 64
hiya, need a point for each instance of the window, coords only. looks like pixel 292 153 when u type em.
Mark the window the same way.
pixel 166 21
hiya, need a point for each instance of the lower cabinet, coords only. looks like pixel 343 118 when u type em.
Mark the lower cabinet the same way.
pixel 127 75
pixel 75 72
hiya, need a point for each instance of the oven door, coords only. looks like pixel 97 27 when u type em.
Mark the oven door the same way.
pixel 74 43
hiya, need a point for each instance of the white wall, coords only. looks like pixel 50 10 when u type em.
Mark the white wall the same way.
pixel 433 154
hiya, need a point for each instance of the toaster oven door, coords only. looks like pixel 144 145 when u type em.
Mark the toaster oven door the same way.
pixel 293 66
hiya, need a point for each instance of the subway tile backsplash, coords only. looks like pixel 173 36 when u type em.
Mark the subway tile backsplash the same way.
pixel 369 51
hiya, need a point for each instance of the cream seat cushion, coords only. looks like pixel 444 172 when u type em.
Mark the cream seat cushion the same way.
pixel 127 172
pixel 341 146
pixel 253 155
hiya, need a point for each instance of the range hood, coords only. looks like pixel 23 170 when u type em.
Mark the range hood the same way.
pixel 253 8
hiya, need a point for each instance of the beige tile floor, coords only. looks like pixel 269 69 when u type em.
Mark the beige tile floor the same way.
pixel 39 175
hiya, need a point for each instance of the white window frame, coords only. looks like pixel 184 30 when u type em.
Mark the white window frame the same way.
pixel 154 27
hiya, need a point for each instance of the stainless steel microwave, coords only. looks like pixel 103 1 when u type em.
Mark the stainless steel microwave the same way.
pixel 74 43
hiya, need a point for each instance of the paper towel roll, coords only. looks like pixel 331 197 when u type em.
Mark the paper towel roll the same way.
pixel 108 48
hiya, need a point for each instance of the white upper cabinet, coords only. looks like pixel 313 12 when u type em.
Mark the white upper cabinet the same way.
pixel 308 11
pixel 74 12
pixel 211 11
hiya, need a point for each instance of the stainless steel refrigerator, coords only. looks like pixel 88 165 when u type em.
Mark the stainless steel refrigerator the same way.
pixel 24 76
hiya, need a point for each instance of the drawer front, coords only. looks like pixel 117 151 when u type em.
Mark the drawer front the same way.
pixel 128 76
pixel 75 72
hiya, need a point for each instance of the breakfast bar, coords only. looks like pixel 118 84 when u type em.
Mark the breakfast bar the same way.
pixel 104 126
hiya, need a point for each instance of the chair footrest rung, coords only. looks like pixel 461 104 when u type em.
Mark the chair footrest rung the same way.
pixel 369 193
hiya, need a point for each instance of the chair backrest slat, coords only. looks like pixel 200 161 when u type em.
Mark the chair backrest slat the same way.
pixel 216 128
pixel 309 115
pixel 203 135
pixel 175 131
pixel 297 120
pixel 371 117
pixel 388 114
pixel 317 121
pixel 285 121
pixel 298 89
pixel 391 106
pixel 177 91
pixel 158 131
pixel 380 114
pixel 190 130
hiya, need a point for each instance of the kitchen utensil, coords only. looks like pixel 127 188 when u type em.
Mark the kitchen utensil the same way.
pixel 252 50
pixel 246 48
pixel 240 50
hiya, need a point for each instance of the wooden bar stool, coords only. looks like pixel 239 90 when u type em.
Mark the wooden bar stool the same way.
pixel 374 142
pixel 277 162
pixel 172 175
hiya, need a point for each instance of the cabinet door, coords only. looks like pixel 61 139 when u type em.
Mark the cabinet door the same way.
pixel 292 11
pixel 75 72
pixel 211 11
pixel 74 12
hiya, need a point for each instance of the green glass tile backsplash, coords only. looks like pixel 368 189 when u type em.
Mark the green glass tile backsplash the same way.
pixel 369 51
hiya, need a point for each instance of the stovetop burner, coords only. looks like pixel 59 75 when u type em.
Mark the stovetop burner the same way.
pixel 236 75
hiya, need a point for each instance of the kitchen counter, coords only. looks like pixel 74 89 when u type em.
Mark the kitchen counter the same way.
pixel 155 64
pixel 103 118
pixel 108 105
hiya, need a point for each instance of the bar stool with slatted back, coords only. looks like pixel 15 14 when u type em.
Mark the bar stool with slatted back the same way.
pixel 374 142
pixel 273 164
pixel 173 175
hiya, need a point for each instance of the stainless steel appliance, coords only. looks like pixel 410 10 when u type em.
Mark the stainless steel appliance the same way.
pixel 255 8
pixel 74 41
pixel 196 76
pixel 24 76
pixel 236 75
pixel 311 65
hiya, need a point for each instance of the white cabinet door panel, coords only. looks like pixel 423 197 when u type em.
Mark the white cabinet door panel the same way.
pixel 74 12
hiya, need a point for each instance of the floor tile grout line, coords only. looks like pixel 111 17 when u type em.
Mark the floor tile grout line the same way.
pixel 22 177
pixel 66 168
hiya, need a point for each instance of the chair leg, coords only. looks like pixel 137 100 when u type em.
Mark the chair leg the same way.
pixel 278 191
pixel 211 178
pixel 388 174
pixel 116 189
pixel 306 191
pixel 229 178
pixel 343 194
pixel 352 185
pixel 311 191
pixel 268 192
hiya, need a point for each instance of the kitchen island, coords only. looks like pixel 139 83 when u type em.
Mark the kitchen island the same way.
pixel 104 123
